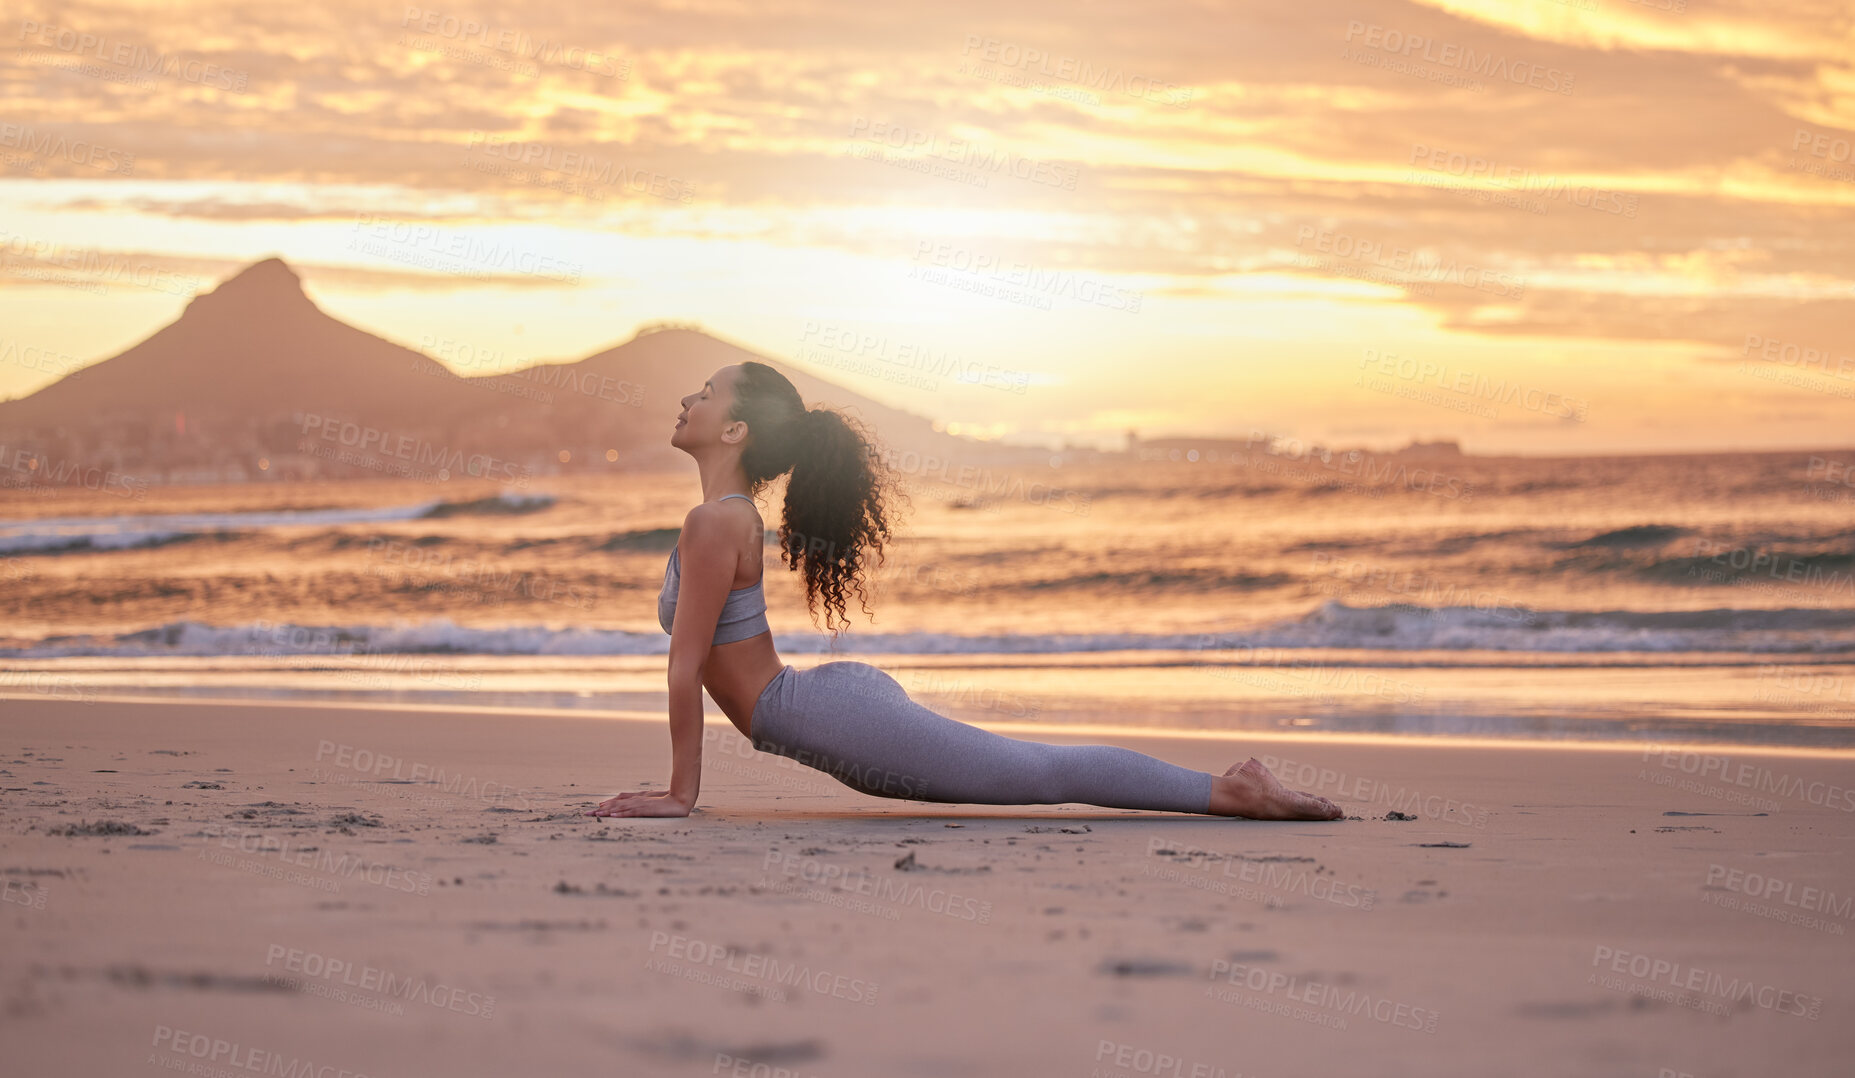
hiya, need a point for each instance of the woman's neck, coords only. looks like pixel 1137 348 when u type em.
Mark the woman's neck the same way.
pixel 720 475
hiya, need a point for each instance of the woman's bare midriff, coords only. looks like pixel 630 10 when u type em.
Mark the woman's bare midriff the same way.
pixel 737 673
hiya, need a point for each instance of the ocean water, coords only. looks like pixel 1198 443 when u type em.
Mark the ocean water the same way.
pixel 1678 599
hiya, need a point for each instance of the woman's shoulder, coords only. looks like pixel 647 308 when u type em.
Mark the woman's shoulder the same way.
pixel 722 514
pixel 714 525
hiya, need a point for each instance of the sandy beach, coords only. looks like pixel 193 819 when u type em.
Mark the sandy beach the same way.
pixel 249 888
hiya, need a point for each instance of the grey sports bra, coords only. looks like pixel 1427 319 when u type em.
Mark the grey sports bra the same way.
pixel 743 615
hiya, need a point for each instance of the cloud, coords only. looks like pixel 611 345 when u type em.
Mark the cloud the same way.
pixel 1653 172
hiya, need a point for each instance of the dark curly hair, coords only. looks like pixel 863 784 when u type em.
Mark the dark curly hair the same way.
pixel 836 511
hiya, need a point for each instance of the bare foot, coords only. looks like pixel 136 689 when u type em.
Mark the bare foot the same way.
pixel 1252 791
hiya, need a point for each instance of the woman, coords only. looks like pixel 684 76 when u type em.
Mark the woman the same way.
pixel 746 427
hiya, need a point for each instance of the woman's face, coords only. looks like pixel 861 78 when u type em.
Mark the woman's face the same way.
pixel 704 419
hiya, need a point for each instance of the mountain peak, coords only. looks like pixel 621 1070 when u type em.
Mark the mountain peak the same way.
pixel 269 283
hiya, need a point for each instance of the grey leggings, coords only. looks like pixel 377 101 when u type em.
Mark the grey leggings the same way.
pixel 857 724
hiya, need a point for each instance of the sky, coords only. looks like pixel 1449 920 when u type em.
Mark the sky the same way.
pixel 1530 226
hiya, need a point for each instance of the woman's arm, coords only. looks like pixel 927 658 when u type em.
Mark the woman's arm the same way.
pixel 706 551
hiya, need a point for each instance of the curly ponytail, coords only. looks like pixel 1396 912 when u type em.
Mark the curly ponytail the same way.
pixel 835 511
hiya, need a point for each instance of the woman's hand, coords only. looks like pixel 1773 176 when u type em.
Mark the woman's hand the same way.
pixel 642 803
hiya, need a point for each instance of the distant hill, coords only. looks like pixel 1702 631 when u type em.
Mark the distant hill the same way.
pixel 656 369
pixel 254 345
pixel 254 380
